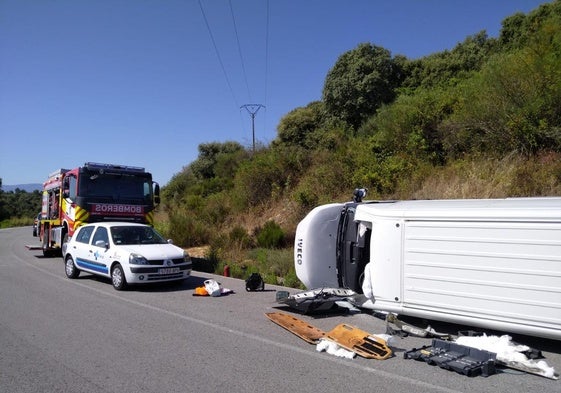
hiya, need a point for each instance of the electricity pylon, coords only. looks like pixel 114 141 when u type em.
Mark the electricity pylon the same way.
pixel 252 109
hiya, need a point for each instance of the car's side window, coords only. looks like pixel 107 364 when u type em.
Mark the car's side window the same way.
pixel 101 234
pixel 84 234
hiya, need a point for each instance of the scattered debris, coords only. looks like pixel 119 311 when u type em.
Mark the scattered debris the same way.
pixel 453 356
pixel 472 355
pixel 31 248
pixel 254 282
pixel 319 300
pixel 346 336
pixel 404 329
pixel 211 288
pixel 305 331
pixel 509 354
pixel 364 344
pixel 200 291
pixel 335 349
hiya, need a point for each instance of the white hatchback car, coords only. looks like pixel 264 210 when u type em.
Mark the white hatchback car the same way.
pixel 125 252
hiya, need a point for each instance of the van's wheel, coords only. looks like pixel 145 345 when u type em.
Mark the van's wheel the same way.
pixel 70 269
pixel 118 277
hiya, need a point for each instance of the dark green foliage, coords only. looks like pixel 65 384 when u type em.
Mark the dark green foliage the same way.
pixel 449 67
pixel 412 125
pixel 19 204
pixel 270 236
pixel 361 81
pixel 518 29
pixel 215 159
pixel 299 125
pixel 186 229
pixel 267 175
pixel 196 199
pixel 514 103
pixel 323 180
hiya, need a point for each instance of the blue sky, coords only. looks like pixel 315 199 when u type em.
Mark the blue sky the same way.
pixel 144 82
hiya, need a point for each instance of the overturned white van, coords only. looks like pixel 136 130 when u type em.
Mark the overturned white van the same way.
pixel 493 263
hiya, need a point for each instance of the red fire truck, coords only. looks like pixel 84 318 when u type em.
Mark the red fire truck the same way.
pixel 91 193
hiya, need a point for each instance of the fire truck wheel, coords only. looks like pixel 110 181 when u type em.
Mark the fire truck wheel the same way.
pixel 47 252
pixel 118 277
pixel 70 268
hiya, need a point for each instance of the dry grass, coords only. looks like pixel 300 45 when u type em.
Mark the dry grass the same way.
pixel 512 176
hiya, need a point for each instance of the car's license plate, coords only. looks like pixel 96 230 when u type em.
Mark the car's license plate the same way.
pixel 168 270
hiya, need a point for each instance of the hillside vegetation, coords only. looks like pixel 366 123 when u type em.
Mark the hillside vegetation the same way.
pixel 482 120
pixel 18 207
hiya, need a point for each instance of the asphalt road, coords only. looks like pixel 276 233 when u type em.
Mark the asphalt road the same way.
pixel 81 335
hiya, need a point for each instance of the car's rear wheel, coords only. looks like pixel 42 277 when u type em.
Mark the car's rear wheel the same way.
pixel 70 268
pixel 118 277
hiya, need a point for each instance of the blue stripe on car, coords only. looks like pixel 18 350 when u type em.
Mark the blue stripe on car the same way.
pixel 98 267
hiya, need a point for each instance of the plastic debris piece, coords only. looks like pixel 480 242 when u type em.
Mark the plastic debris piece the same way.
pixel 213 288
pixel 452 356
pixel 335 349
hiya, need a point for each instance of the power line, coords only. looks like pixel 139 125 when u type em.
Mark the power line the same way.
pixel 252 109
pixel 240 49
pixel 266 58
pixel 217 53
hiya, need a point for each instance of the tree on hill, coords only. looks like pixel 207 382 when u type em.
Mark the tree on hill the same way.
pixel 362 80
pixel 296 127
pixel 519 28
pixel 449 67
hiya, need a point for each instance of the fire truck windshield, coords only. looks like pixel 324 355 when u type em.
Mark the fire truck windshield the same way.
pixel 116 187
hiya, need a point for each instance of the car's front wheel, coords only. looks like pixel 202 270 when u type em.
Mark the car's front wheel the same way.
pixel 70 268
pixel 118 277
pixel 64 246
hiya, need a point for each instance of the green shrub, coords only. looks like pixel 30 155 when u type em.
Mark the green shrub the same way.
pixel 292 281
pixel 239 237
pixel 270 236
pixel 186 230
